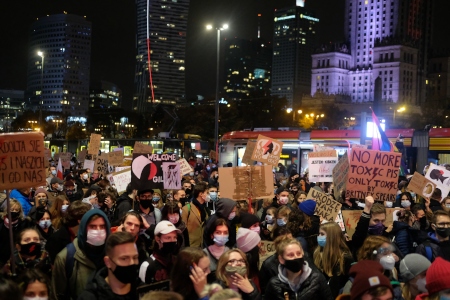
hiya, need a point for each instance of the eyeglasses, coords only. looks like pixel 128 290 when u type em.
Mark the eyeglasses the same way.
pixel 236 262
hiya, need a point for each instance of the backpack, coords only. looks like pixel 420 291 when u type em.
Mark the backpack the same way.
pixel 69 266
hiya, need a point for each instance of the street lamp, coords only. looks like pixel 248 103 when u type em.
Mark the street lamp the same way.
pixel 401 109
pixel 41 54
pixel 216 121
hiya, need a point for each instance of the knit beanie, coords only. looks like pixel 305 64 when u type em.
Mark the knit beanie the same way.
pixel 412 265
pixel 438 276
pixel 41 190
pixel 308 207
pixel 247 239
pixel 368 274
pixel 247 220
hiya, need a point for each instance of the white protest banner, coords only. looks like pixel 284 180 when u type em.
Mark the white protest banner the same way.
pixel 267 150
pixel 326 207
pixel 373 173
pixel 340 172
pixel 185 167
pixel 65 159
pixel 94 143
pixel 171 174
pixel 121 180
pixel 22 161
pixel 89 164
pixel 321 165
pixel 440 177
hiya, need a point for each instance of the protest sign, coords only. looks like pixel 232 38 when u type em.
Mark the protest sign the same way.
pixel 359 146
pixel 89 164
pixel 115 158
pixel 101 164
pixel 82 155
pixel 267 249
pixel 373 173
pixel 351 218
pixel 94 143
pixel 185 167
pixel 339 220
pixel 171 175
pixel 147 172
pixel 326 207
pixel 440 176
pixel 56 156
pixel 142 148
pixel 118 169
pixel 321 165
pixel 340 172
pixel 48 156
pixel 121 180
pixel 391 215
pixel 247 157
pixel 318 148
pixel 267 150
pixel 65 159
pixel 22 161
pixel 421 185
pixel 241 183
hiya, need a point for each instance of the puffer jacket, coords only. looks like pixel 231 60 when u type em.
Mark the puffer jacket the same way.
pixel 224 207
pixel 313 287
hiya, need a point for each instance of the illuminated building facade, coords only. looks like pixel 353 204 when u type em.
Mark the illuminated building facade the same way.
pixel 61 83
pixel 105 95
pixel 167 32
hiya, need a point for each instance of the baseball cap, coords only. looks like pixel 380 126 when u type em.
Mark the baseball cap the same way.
pixel 165 227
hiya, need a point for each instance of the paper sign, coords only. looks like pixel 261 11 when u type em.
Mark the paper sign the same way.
pixel 373 173
pixel 142 148
pixel 440 177
pixel 351 218
pixel 421 186
pixel 82 155
pixel 171 175
pixel 65 159
pixel 247 157
pixel 318 148
pixel 101 164
pixel 267 150
pixel 118 169
pixel 89 164
pixel 94 143
pixel 267 249
pixel 121 180
pixel 241 183
pixel 321 165
pixel 22 161
pixel 326 207
pixel 185 167
pixel 147 172
pixel 340 172
pixel 115 158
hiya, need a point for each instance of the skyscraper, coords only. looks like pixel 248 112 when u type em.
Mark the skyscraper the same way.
pixel 293 43
pixel 167 26
pixel 389 39
pixel 58 77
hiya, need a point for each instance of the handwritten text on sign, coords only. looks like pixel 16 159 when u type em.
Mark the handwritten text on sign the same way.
pixel 321 165
pixel 373 173
pixel 326 207
pixel 22 162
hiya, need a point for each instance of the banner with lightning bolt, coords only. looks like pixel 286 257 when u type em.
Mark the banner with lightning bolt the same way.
pixel 373 173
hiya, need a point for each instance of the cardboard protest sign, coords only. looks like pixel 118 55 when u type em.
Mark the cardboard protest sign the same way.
pixel 101 164
pixel 340 172
pixel 247 157
pixel 94 143
pixel 241 183
pixel 421 185
pixel 339 220
pixel 142 148
pixel 185 167
pixel 267 150
pixel 22 161
pixel 48 156
pixel 56 156
pixel 440 177
pixel 147 172
pixel 89 164
pixel 121 180
pixel 373 173
pixel 65 159
pixel 267 249
pixel 82 155
pixel 326 207
pixel 321 165
pixel 391 215
pixel 115 158
pixel 118 169
pixel 171 175
pixel 351 218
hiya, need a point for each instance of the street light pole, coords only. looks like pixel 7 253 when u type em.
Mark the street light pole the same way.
pixel 41 54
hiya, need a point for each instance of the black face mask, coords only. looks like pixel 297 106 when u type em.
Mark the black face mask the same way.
pixel 30 249
pixel 294 265
pixel 170 247
pixel 147 204
pixel 443 232
pixel 125 274
pixel 15 215
pixel 188 191
pixel 69 193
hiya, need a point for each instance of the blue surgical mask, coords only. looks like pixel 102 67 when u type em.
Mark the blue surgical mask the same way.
pixel 44 224
pixel 232 215
pixel 213 196
pixel 281 222
pixel 444 297
pixel 321 240
pixel 64 207
pixel 53 172
pixel 220 240
pixel 269 219
pixel 155 199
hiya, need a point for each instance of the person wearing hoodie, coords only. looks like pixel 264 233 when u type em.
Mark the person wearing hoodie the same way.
pixel 225 209
pixel 22 195
pixel 438 243
pixel 296 279
pixel 117 280
pixel 84 256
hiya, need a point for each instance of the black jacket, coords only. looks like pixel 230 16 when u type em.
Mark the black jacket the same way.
pixel 123 205
pixel 58 241
pixel 99 289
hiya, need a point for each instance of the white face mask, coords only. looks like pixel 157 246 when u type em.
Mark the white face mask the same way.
pixel 85 176
pixel 64 207
pixel 59 188
pixel 96 237
pixel 389 204
pixel 284 200
pixel 388 262
pixel 421 285
pixel 406 203
pixel 35 298
pixel 256 229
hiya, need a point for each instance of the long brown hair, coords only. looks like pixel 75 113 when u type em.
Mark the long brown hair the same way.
pixel 56 213
pixel 372 242
pixel 325 258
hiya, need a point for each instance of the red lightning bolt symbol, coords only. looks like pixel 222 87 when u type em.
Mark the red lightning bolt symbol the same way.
pixel 348 224
pixel 266 147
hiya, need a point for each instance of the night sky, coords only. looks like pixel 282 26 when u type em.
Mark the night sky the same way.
pixel 113 35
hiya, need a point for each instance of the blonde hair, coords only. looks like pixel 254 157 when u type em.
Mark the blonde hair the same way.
pixel 283 243
pixel 14 203
pixel 327 257
pixel 223 262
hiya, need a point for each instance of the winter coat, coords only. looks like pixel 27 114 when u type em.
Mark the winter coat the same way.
pixel 24 201
pixel 99 289
pixel 191 216
pixel 313 287
pixel 405 237
pixel 58 241
pixel 123 205
pixel 254 295
pixel 224 207
pixel 438 249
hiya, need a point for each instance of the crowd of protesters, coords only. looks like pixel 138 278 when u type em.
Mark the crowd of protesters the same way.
pixel 77 238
